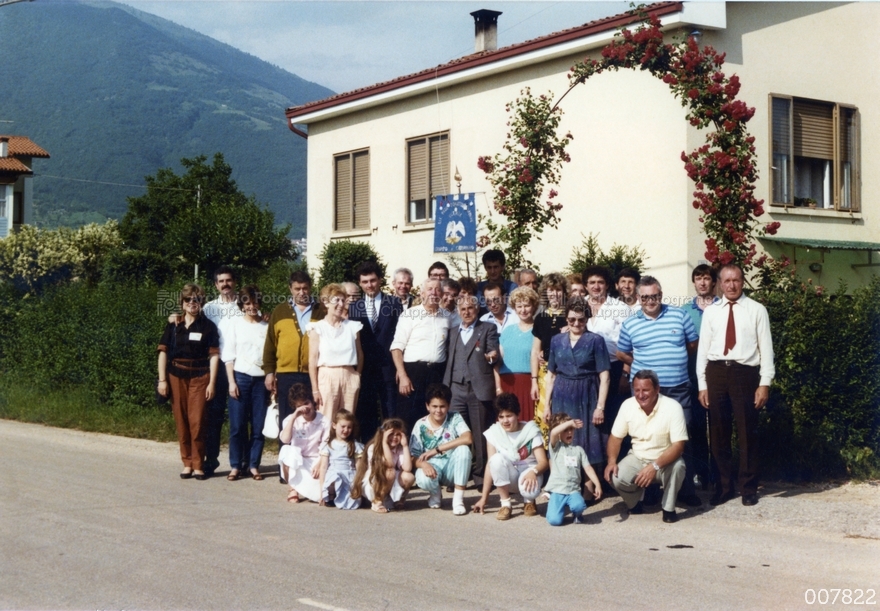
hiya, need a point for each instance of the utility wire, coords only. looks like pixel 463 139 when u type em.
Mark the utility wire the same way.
pixel 116 184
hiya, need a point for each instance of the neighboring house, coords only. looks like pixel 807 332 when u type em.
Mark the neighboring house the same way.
pixel 16 190
pixel 378 154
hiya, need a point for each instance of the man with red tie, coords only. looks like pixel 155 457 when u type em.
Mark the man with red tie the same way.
pixel 734 372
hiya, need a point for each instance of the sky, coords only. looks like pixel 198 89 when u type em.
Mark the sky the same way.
pixel 349 44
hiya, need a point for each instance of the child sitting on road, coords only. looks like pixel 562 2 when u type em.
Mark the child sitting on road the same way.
pixel 338 459
pixel 516 459
pixel 302 432
pixel 384 474
pixel 440 443
pixel 566 462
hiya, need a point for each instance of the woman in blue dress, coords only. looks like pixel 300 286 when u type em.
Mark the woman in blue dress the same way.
pixel 577 379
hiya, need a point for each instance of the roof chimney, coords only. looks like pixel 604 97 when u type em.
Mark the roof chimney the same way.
pixel 485 30
pixel 4 146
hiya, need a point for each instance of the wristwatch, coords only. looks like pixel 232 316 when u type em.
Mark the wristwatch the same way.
pixel 655 465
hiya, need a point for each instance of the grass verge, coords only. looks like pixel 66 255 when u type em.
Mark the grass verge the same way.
pixel 78 408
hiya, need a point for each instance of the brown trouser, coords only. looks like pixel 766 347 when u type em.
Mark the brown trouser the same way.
pixel 732 389
pixel 188 404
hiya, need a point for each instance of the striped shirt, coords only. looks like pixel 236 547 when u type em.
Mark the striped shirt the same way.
pixel 659 344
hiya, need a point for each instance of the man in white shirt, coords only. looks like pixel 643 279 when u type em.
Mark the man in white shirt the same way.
pixel 419 351
pixel 657 427
pixel 222 312
pixel 734 372
pixel 499 313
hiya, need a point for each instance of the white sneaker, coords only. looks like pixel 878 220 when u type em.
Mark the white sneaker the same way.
pixel 435 499
pixel 458 510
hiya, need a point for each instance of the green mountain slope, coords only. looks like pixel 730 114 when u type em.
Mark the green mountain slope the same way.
pixel 114 94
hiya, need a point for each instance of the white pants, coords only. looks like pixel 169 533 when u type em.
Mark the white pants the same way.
pixel 299 474
pixel 505 473
pixel 396 490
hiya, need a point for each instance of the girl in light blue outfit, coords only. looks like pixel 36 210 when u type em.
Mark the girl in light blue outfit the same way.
pixel 339 458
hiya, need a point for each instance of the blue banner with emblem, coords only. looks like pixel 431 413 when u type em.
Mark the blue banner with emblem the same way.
pixel 455 223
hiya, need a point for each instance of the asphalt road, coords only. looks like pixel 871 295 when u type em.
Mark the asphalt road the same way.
pixel 99 522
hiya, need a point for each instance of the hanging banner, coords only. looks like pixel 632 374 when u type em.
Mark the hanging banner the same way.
pixel 455 223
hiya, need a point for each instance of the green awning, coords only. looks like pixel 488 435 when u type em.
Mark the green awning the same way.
pixel 824 244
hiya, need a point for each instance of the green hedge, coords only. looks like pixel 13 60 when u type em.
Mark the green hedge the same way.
pixel 823 419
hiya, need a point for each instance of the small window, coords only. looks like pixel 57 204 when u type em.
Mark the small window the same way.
pixel 351 208
pixel 427 163
pixel 815 160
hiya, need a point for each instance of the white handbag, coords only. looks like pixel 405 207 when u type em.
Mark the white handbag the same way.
pixel 271 426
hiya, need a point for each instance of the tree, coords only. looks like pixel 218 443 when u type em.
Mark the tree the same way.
pixel 340 258
pixel 203 218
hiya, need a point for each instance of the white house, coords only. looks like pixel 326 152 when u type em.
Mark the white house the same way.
pixel 378 154
pixel 16 190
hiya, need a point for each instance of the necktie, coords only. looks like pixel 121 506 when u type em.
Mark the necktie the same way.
pixel 371 312
pixel 730 336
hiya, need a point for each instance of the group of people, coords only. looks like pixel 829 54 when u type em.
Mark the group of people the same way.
pixel 545 387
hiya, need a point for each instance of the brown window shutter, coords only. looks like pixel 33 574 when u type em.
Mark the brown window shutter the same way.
pixel 418 170
pixel 439 167
pixel 361 190
pixel 342 221
pixel 813 129
pixel 847 170
pixel 781 126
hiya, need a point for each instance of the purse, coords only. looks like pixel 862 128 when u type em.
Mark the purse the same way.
pixel 272 425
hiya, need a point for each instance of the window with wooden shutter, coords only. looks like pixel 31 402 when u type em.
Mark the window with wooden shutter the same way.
pixel 351 205
pixel 814 148
pixel 427 171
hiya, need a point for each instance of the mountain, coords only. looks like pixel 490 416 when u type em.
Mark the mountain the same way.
pixel 114 94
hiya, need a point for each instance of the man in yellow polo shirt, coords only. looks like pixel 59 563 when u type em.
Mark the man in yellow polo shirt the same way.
pixel 656 425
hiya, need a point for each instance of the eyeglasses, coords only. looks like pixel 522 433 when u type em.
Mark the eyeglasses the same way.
pixel 192 300
pixel 650 297
pixel 576 320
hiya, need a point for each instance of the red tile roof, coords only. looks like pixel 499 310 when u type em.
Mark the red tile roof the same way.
pixel 22 146
pixel 485 57
pixel 13 165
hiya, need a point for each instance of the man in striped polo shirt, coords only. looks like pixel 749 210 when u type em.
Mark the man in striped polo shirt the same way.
pixel 659 337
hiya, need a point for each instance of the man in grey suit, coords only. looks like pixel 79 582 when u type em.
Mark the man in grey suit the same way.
pixel 471 373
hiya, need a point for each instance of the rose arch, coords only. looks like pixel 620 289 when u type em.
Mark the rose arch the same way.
pixel 723 169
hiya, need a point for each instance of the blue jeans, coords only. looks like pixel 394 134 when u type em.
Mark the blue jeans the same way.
pixel 558 502
pixel 682 394
pixel 216 409
pixel 246 450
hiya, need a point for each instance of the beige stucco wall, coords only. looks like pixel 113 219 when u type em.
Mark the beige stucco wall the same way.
pixel 823 51
pixel 625 181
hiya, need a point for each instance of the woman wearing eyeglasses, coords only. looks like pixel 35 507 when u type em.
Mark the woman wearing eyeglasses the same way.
pixel 577 378
pixel 189 355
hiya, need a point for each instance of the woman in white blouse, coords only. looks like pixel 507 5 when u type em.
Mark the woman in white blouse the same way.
pixel 242 353
pixel 335 356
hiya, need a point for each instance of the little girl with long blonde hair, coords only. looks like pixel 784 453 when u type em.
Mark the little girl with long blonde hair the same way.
pixel 384 474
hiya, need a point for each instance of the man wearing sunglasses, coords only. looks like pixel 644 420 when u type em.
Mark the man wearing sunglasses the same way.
pixel 659 337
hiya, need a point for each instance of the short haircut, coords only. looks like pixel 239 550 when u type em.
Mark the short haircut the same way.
pixel 299 394
pixel 528 271
pixel 597 270
pixel 493 286
pixel 438 391
pixel 649 281
pixel 403 270
pixel 468 285
pixel 438 265
pixel 628 272
pixel 578 305
pixel 191 289
pixel 300 277
pixel 494 255
pixel 524 293
pixel 449 283
pixel 704 270
pixel 333 290
pixel 368 268
pixel 225 269
pixel 507 402
pixel 557 419
pixel 250 294
pixel 468 299
pixel 733 266
pixel 648 374
pixel 555 281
